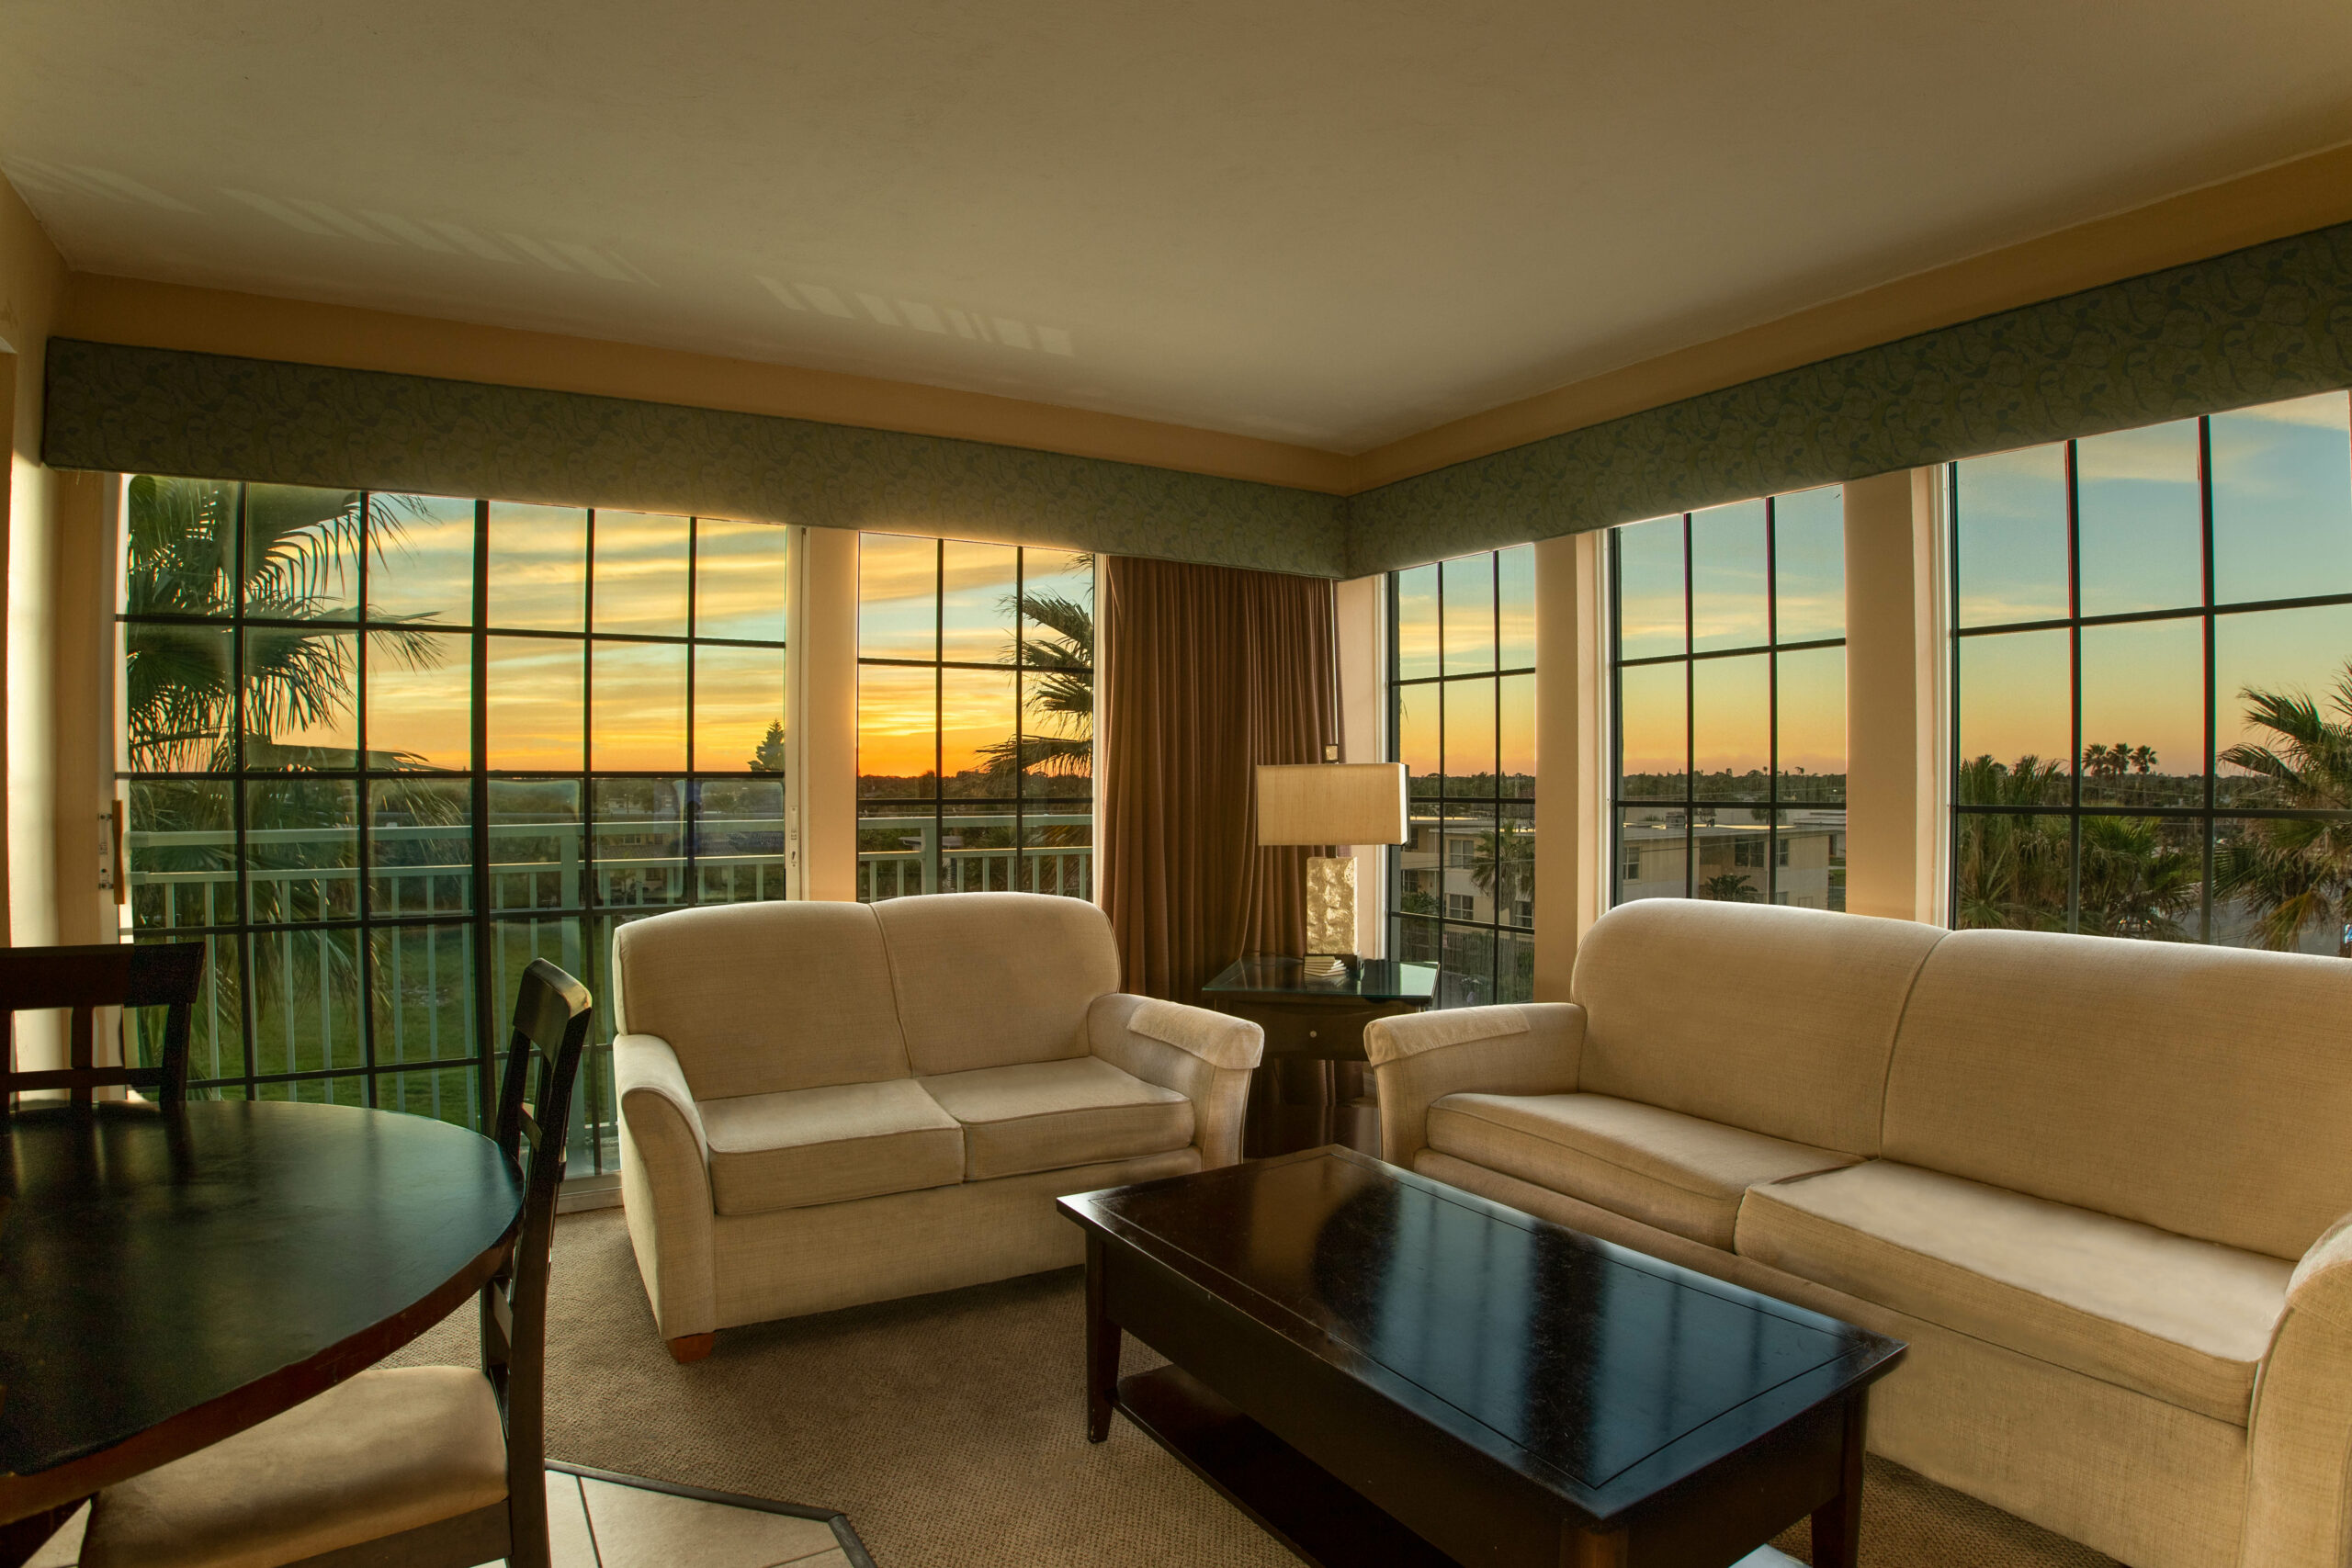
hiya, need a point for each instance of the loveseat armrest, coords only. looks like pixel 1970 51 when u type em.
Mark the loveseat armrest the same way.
pixel 1419 1058
pixel 2299 1480
pixel 1205 1056
pixel 665 1184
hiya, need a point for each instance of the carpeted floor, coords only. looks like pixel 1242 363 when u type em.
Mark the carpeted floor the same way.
pixel 948 1428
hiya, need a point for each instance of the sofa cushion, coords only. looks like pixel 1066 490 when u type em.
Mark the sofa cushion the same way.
pixel 2185 1321
pixel 1676 1172
pixel 827 1146
pixel 990 979
pixel 1046 1115
pixel 729 987
pixel 1775 1019
pixel 2199 1089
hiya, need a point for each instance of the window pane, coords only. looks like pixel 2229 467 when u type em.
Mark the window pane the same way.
pixel 1470 737
pixel 637 695
pixel 2011 871
pixel 1056 854
pixel 897 731
pixel 741 579
pixel 423 994
pixel 534 702
pixel 978 758
pixel 306 1004
pixel 1416 940
pixel 182 543
pixel 535 845
pixel 2016 726
pixel 977 852
pixel 298 708
pixel 1727 577
pixel 2142 524
pixel 1653 731
pixel 1515 618
pixel 179 689
pixel 1417 650
pixel 1809 860
pixel 2265 873
pixel 1515 968
pixel 2143 876
pixel 1465 967
pixel 739 710
pixel 179 845
pixel 1649 589
pixel 1057 733
pixel 1419 871
pixel 639 840
pixel 2267 663
pixel 740 850
pixel 1417 736
pixel 445 1094
pixel 420 841
pixel 216 1025
pixel 420 700
pixel 538 567
pixel 1653 853
pixel 640 575
pixel 301 553
pixel 2144 713
pixel 1809 564
pixel 1469 586
pixel 897 597
pixel 515 943
pixel 1517 736
pixel 1058 609
pixel 1734 846
pixel 1470 867
pixel 1813 724
pixel 2010 533
pixel 897 847
pixel 2282 501
pixel 302 849
pixel 422 559
pixel 1731 729
pixel 977 606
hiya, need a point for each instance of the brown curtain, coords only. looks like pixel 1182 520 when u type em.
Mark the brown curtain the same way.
pixel 1207 671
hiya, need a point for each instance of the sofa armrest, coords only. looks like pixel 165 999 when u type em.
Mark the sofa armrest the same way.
pixel 1205 1056
pixel 665 1184
pixel 1419 1058
pixel 2299 1480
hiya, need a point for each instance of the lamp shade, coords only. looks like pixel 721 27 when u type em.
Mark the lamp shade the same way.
pixel 1331 803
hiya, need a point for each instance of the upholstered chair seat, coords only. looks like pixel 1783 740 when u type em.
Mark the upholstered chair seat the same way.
pixel 387 1451
pixel 797 1147
pixel 1055 1115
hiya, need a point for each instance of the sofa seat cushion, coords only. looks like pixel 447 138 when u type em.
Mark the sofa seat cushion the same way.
pixel 803 1147
pixel 1046 1115
pixel 2185 1321
pixel 1680 1173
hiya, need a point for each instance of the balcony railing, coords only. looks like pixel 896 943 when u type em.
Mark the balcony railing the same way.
pixel 932 857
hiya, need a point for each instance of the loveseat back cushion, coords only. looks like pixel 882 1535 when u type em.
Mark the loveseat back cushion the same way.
pixel 994 979
pixel 2205 1090
pixel 759 998
pixel 1772 1018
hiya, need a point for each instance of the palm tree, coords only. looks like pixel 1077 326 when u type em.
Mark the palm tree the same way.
pixel 1502 862
pixel 2012 868
pixel 2293 874
pixel 1731 887
pixel 2134 884
pixel 1058 738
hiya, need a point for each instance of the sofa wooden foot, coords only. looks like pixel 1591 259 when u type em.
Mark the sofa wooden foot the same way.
pixel 692 1348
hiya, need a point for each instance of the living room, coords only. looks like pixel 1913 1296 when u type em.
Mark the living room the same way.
pixel 773 785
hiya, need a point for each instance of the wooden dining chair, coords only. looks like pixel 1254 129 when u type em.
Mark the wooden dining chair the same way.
pixel 407 1467
pixel 84 979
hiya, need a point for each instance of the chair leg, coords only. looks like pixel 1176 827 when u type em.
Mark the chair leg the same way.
pixel 692 1348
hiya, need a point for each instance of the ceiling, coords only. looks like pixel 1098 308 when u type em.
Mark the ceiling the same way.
pixel 1332 222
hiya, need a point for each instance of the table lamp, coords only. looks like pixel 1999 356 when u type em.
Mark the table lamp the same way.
pixel 1331 803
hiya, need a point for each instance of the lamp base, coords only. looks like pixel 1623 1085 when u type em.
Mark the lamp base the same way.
pixel 1330 914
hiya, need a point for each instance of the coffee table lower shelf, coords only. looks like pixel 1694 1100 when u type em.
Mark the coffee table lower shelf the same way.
pixel 1293 1498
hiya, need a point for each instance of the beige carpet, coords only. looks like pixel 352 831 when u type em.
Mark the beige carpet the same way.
pixel 948 1428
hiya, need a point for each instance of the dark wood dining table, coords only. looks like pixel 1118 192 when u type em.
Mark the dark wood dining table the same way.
pixel 172 1276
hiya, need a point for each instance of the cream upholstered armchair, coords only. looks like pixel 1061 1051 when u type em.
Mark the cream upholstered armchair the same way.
pixel 824 1104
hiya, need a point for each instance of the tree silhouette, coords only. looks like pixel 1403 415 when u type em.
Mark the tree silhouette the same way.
pixel 2294 875
pixel 1730 887
pixel 770 756
pixel 1057 681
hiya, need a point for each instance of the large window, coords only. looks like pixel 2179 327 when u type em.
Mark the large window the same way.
pixel 975 718
pixel 379 752
pixel 1462 894
pixel 2152 682
pixel 1728 658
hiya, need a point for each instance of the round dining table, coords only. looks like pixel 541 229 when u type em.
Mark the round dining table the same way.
pixel 172 1275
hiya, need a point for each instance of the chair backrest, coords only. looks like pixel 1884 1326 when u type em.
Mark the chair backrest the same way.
pixel 84 979
pixel 551 1013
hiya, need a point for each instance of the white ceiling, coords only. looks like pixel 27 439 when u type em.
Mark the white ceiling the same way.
pixel 1328 222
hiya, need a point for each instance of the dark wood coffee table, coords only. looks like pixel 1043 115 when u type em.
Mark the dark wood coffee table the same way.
pixel 1382 1369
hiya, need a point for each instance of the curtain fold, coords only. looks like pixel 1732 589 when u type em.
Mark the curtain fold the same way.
pixel 1207 671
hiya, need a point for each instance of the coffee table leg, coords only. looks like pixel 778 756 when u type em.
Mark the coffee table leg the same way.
pixel 1101 1348
pixel 1838 1524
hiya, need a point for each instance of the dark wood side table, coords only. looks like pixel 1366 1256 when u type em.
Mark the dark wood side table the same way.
pixel 1313 1022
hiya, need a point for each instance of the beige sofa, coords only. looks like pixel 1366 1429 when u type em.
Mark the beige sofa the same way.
pixel 2100 1186
pixel 825 1104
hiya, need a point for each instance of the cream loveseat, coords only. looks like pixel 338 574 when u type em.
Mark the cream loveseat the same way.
pixel 824 1104
pixel 2100 1186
